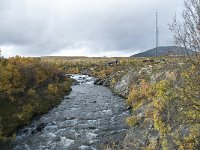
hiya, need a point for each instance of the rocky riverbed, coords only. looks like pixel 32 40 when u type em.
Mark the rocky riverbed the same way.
pixel 90 118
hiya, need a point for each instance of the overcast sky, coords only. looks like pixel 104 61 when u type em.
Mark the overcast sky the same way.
pixel 83 27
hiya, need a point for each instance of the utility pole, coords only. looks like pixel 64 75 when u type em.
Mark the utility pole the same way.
pixel 156 34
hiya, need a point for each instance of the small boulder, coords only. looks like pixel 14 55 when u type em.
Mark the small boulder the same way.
pixel 98 82
pixel 39 128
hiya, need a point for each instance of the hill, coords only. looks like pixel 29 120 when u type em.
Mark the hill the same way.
pixel 163 51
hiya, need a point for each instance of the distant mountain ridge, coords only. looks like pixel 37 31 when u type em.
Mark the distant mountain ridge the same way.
pixel 163 51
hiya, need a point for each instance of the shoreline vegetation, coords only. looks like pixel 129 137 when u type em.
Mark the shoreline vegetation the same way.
pixel 28 87
pixel 162 94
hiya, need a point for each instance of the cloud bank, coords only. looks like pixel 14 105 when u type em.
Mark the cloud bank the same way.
pixel 83 27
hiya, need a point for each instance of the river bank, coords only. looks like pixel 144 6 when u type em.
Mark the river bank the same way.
pixel 165 109
pixel 28 87
pixel 160 99
pixel 91 117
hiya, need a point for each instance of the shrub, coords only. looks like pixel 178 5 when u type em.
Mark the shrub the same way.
pixel 52 89
pixel 27 87
pixel 113 82
pixel 31 92
pixel 176 102
pixel 139 94
pixel 132 121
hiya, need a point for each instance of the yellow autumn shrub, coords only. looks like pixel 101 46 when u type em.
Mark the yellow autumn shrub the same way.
pixel 131 121
pixel 139 94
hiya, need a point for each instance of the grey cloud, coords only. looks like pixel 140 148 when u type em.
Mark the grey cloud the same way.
pixel 35 27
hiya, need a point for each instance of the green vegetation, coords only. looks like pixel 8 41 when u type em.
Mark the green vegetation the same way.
pixel 132 121
pixel 167 91
pixel 140 94
pixel 28 87
pixel 100 67
pixel 176 106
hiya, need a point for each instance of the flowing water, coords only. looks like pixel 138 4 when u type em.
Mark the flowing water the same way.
pixel 90 118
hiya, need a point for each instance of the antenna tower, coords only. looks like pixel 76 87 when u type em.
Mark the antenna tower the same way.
pixel 156 34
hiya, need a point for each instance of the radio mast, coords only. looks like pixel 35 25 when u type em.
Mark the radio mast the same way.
pixel 156 34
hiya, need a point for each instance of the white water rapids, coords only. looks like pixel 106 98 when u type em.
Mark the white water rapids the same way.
pixel 88 118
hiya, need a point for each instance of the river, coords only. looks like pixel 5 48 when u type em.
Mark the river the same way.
pixel 91 117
